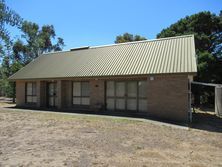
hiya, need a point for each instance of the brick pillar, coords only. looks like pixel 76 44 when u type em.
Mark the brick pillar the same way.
pixel 38 93
pixel 218 101
pixel 20 93
pixel 67 90
pixel 97 94
pixel 61 93
pixel 41 94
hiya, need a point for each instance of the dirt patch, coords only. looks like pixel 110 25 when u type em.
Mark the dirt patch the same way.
pixel 51 139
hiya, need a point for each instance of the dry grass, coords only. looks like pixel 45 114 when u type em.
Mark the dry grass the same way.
pixel 51 139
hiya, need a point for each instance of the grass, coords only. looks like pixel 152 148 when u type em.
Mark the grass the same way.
pixel 72 116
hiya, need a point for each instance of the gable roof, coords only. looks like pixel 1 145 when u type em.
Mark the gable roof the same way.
pixel 159 56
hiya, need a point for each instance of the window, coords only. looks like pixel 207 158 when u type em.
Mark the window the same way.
pixel 142 95
pixel 81 93
pixel 142 89
pixel 31 96
pixel 126 95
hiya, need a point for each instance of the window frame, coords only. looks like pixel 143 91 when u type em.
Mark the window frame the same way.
pixel 33 94
pixel 126 97
pixel 81 92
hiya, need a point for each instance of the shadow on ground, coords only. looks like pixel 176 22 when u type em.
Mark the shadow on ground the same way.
pixel 207 121
pixel 102 112
pixel 202 120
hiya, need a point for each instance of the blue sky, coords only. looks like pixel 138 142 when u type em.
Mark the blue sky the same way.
pixel 98 22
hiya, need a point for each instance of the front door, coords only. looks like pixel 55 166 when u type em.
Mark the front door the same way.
pixel 52 94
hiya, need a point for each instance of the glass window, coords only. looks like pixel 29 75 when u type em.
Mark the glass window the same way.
pixel 110 88
pixel 120 89
pixel 29 88
pixel 132 89
pixel 131 104
pixel 81 93
pixel 126 95
pixel 110 104
pixel 85 88
pixel 142 89
pixel 31 92
pixel 77 100
pixel 142 105
pixel 29 99
pixel 77 89
pixel 120 104
pixel 34 92
pixel 85 100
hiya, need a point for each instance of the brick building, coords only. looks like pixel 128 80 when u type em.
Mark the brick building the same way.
pixel 150 77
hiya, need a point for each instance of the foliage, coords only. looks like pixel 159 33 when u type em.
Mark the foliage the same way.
pixel 10 18
pixel 5 86
pixel 207 30
pixel 126 37
pixel 35 42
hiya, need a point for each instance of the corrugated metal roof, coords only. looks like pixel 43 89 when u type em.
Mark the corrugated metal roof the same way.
pixel 159 56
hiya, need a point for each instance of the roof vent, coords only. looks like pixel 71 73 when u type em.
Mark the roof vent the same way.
pixel 80 48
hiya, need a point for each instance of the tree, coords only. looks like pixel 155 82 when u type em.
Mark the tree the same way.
pixel 15 54
pixel 207 30
pixel 5 73
pixel 8 17
pixel 35 41
pixel 126 37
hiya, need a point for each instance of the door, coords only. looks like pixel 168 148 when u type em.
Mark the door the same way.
pixel 52 94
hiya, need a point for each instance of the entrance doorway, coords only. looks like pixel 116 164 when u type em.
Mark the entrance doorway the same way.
pixel 52 94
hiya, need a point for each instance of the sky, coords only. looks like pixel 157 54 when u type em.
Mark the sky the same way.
pixel 98 22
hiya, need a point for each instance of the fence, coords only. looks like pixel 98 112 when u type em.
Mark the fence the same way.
pixel 217 93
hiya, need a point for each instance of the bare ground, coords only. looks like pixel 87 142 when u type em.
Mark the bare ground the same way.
pixel 52 139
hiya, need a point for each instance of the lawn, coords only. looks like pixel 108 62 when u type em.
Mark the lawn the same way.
pixel 53 139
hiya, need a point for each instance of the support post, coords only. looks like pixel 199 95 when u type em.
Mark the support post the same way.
pixel 14 92
pixel 218 101
pixel 59 94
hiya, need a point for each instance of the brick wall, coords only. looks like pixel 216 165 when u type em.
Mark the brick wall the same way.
pixel 20 93
pixel 67 95
pixel 43 94
pixel 168 97
pixel 97 94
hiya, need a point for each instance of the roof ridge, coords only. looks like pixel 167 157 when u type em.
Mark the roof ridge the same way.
pixel 126 43
pixel 55 52
pixel 143 41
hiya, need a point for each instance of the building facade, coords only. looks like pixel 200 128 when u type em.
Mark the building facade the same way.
pixel 156 82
